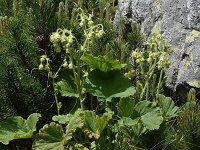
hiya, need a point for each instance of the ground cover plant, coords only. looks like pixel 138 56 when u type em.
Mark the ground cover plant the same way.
pixel 70 80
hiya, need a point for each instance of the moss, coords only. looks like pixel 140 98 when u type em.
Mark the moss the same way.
pixel 191 37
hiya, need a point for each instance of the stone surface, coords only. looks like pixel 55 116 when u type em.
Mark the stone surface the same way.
pixel 179 23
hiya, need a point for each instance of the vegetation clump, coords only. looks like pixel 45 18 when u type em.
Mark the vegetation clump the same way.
pixel 81 86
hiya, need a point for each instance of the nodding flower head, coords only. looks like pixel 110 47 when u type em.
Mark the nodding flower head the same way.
pixel 55 37
pixel 44 63
pixel 63 36
pixel 100 33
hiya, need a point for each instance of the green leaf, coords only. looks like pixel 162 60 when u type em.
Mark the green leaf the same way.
pixel 129 121
pixel 66 88
pixel 108 85
pixel 50 137
pixel 103 63
pixel 18 128
pixel 146 116
pixel 125 107
pixel 94 124
pixel 103 121
pixel 168 107
pixel 133 124
pixel 62 119
pixel 75 122
pixel 65 85
pixel 90 121
pixel 65 119
pixel 150 114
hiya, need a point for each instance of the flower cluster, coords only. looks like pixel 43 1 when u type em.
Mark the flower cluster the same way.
pixel 157 53
pixel 163 61
pixel 90 29
pixel 62 36
pixel 160 57
pixel 96 31
pixel 155 41
pixel 67 64
pixel 44 63
pixel 138 56
pixel 85 20
pixel 65 39
pixel 152 56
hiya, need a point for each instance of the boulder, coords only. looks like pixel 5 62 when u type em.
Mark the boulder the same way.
pixel 179 23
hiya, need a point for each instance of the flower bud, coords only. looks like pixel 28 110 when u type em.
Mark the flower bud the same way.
pixel 70 66
pixel 89 36
pixel 42 59
pixel 82 48
pixel 137 61
pixel 90 23
pixel 55 37
pixel 81 24
pixel 63 38
pixel 65 64
pixel 47 67
pixel 57 48
pixel 134 54
pixel 41 67
pixel 70 40
pixel 100 34
pixel 149 60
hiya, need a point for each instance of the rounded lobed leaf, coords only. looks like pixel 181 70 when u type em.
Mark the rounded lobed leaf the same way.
pixel 50 137
pixel 18 128
pixel 103 63
pixel 108 85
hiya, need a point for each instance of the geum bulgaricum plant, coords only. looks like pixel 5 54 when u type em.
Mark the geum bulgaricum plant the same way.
pixel 102 78
pixel 149 63
pixel 150 108
pixel 53 135
pixel 99 76
pixel 65 40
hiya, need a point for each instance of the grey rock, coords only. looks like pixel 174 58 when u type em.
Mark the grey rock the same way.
pixel 179 23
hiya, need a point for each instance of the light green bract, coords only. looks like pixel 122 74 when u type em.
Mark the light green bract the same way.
pixel 18 128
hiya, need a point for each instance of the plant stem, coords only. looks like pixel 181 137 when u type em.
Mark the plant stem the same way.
pixel 56 98
pixel 144 89
pixel 147 93
pixel 77 79
pixel 159 84
pixel 148 77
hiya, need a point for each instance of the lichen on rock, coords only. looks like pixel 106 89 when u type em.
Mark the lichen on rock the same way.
pixel 179 23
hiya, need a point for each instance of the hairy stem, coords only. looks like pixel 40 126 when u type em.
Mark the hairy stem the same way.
pixel 159 84
pixel 56 97
pixel 77 79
